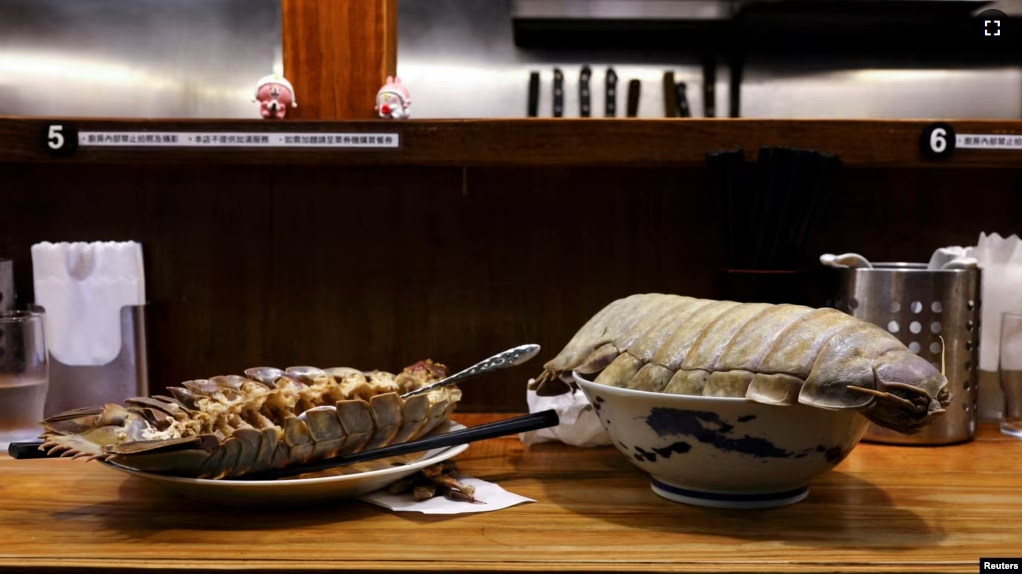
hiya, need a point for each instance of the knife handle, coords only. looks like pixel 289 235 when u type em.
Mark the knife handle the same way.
pixel 682 98
pixel 735 91
pixel 558 93
pixel 533 109
pixel 634 89
pixel 585 110
pixel 610 101
pixel 670 96
pixel 709 88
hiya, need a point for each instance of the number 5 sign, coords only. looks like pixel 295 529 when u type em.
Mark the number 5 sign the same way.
pixel 60 139
pixel 937 142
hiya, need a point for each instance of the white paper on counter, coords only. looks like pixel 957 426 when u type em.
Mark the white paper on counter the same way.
pixel 579 426
pixel 491 496
pixel 83 286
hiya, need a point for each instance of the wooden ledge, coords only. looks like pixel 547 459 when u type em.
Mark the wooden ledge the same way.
pixel 529 142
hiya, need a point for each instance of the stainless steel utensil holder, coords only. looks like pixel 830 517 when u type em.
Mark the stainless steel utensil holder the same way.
pixel 917 305
pixel 74 386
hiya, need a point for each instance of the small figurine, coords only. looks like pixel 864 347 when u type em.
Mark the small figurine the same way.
pixel 393 101
pixel 274 94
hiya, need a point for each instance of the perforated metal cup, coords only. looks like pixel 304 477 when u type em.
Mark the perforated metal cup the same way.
pixel 919 307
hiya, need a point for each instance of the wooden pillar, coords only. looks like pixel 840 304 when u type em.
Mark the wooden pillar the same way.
pixel 337 54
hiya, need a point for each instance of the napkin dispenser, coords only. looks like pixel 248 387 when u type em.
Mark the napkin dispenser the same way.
pixel 74 386
pixel 93 295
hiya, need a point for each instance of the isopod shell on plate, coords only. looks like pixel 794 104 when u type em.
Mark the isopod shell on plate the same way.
pixel 228 426
pixel 769 353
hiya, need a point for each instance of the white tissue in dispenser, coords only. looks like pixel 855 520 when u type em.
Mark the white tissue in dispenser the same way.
pixel 94 298
pixel 922 307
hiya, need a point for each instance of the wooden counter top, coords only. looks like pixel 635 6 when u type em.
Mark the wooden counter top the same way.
pixel 885 508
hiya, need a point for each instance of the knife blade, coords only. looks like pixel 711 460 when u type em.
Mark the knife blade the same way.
pixel 533 109
pixel 670 96
pixel 585 110
pixel 610 101
pixel 634 90
pixel 558 93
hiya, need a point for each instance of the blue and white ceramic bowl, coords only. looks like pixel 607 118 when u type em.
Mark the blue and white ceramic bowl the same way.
pixel 723 451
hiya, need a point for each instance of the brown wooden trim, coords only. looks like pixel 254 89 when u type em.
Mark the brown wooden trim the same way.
pixel 537 142
pixel 337 55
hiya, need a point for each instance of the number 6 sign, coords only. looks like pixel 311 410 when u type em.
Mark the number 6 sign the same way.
pixel 937 141
pixel 60 139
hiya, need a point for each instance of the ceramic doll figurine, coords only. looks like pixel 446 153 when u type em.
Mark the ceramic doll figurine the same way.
pixel 393 101
pixel 274 94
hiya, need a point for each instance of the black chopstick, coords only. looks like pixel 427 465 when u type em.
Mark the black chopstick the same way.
pixel 531 422
pixel 25 450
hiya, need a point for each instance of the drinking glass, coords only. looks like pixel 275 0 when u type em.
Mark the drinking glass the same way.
pixel 1010 369
pixel 24 375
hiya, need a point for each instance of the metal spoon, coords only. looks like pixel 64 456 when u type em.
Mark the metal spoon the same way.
pixel 510 358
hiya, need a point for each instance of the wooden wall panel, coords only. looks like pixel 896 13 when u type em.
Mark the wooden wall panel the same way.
pixel 380 267
pixel 337 54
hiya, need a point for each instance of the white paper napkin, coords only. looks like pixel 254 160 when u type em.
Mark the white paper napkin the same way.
pixel 1001 261
pixel 83 287
pixel 491 496
pixel 952 257
pixel 579 425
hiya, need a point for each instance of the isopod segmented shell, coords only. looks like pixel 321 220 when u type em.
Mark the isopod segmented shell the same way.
pixel 777 354
pixel 228 426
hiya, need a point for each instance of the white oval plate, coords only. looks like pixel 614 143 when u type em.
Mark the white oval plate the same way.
pixel 292 492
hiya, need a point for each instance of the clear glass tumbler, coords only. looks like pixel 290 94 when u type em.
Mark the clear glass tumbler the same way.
pixel 24 375
pixel 1010 369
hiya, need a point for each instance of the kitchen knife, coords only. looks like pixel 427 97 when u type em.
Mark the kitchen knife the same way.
pixel 558 93
pixel 610 101
pixel 735 87
pixel 709 88
pixel 680 90
pixel 533 94
pixel 670 96
pixel 634 89
pixel 584 108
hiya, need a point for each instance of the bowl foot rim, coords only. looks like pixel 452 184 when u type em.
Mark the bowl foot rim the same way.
pixel 727 500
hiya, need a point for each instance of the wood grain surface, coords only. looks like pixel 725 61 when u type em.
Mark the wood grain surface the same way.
pixel 337 55
pixel 534 142
pixel 884 509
